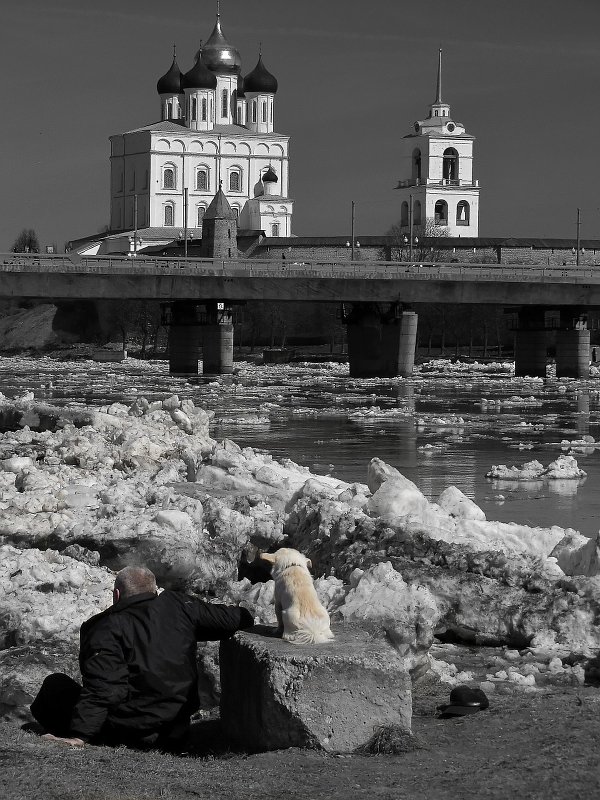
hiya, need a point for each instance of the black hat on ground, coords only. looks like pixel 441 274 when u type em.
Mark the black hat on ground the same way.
pixel 464 700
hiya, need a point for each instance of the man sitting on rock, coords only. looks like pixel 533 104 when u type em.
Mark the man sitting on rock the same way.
pixel 139 669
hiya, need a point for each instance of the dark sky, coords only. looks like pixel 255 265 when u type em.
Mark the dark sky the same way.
pixel 522 75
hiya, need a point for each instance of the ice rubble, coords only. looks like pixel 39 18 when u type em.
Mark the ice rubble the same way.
pixel 84 491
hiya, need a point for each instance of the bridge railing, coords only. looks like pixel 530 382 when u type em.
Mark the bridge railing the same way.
pixel 339 270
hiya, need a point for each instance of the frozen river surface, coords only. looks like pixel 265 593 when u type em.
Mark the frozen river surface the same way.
pixel 445 426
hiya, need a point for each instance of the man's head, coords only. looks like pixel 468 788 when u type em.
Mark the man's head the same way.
pixel 133 580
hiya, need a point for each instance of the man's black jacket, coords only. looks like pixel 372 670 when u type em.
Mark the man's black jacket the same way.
pixel 138 662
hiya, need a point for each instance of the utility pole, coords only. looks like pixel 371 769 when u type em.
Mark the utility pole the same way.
pixel 410 227
pixel 578 235
pixel 135 223
pixel 352 233
pixel 185 222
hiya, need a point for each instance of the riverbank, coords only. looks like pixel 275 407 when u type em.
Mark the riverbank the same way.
pixel 531 747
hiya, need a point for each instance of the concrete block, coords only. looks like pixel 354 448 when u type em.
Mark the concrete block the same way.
pixel 328 696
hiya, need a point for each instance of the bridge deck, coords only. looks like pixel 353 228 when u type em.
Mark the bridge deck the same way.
pixel 71 277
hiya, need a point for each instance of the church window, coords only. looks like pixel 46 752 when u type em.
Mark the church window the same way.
pixel 404 214
pixel 224 102
pixel 235 181
pixel 236 212
pixel 194 108
pixel 169 215
pixel 436 113
pixel 168 178
pixel 145 186
pixel 417 213
pixel 120 184
pixel 463 213
pixel 133 181
pixel 254 111
pixel 441 212
pixel 200 215
pixel 450 166
pixel 202 180
pixel 271 110
pixel 275 229
pixel 416 164
pixel 264 112
pixel 204 109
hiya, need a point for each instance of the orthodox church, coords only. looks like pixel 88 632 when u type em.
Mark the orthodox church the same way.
pixel 216 131
pixel 437 188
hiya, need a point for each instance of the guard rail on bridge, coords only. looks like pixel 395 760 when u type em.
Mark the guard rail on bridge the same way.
pixel 360 270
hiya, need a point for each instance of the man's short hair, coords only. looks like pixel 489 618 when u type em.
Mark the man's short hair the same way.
pixel 135 580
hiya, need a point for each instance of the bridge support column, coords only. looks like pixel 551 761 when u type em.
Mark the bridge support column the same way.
pixel 381 341
pixel 531 342
pixel 573 354
pixel 185 337
pixel 217 349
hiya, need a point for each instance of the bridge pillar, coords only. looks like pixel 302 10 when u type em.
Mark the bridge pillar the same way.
pixel 185 337
pixel 530 342
pixel 217 349
pixel 381 341
pixel 573 354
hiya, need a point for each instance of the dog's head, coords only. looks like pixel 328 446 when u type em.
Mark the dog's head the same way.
pixel 286 557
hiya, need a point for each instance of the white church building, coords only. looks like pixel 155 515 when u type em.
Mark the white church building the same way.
pixel 437 187
pixel 216 129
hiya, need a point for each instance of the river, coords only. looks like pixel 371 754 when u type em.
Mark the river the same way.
pixel 448 424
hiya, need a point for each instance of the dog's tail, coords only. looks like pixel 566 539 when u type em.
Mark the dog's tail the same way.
pixel 310 636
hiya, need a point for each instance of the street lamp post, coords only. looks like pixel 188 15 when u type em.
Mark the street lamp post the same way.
pixel 578 235
pixel 410 227
pixel 352 233
pixel 185 222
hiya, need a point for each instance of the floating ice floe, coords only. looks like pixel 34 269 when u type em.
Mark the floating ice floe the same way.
pixel 564 468
pixel 510 402
pixel 375 412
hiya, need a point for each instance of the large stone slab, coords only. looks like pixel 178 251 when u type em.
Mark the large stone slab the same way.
pixel 328 696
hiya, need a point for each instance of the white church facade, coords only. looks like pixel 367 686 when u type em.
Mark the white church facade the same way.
pixel 216 130
pixel 437 188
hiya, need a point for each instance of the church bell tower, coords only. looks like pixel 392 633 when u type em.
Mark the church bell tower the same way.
pixel 437 179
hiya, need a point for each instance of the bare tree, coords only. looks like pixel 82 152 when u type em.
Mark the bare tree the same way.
pixel 26 242
pixel 426 246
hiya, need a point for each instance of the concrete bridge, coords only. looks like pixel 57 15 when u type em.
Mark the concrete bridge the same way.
pixel 73 277
pixel 380 343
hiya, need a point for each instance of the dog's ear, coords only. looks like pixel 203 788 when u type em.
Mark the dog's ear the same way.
pixel 309 563
pixel 270 557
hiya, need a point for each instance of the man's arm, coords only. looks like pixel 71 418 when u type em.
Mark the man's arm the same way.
pixel 213 621
pixel 105 682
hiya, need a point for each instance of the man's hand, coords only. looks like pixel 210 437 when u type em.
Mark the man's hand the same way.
pixel 71 742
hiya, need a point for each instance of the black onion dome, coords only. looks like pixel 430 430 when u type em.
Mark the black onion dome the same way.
pixel 270 176
pixel 240 87
pixel 260 80
pixel 171 81
pixel 218 55
pixel 199 77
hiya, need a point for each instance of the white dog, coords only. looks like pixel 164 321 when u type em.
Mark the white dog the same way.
pixel 300 615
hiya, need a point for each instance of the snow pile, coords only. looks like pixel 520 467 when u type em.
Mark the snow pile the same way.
pixel 564 468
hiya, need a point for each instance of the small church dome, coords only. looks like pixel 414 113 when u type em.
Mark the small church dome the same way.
pixel 199 77
pixel 270 176
pixel 171 81
pixel 218 55
pixel 260 80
